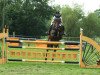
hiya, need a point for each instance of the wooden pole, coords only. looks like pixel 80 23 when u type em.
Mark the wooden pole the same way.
pixel 43 48
pixel 50 61
pixel 42 42
pixel 3 46
pixel 80 61
pixel 7 33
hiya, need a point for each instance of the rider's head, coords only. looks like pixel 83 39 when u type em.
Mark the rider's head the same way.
pixel 57 14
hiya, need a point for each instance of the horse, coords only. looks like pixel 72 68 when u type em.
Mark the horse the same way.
pixel 55 33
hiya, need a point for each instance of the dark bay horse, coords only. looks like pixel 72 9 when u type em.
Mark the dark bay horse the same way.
pixel 55 33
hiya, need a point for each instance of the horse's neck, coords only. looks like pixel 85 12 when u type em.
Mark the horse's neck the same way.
pixel 55 26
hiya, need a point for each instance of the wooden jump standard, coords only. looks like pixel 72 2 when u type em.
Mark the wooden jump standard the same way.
pixel 90 56
pixel 2 38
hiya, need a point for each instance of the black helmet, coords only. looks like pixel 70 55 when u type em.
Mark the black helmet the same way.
pixel 57 14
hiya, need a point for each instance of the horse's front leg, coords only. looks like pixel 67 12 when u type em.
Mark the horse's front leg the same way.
pixel 55 46
pixel 48 46
pixel 46 54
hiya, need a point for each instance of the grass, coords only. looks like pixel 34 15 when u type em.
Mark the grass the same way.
pixel 26 68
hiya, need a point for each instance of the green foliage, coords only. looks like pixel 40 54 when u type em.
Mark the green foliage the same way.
pixel 28 17
pixel 71 17
pixel 91 25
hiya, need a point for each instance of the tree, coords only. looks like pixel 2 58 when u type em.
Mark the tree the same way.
pixel 91 25
pixel 71 18
pixel 28 17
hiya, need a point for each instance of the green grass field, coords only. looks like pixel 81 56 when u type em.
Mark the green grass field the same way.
pixel 26 68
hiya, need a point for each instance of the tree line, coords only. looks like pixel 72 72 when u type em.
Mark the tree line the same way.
pixel 75 18
pixel 33 17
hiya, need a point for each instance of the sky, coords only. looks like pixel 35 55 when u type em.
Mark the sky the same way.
pixel 87 5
